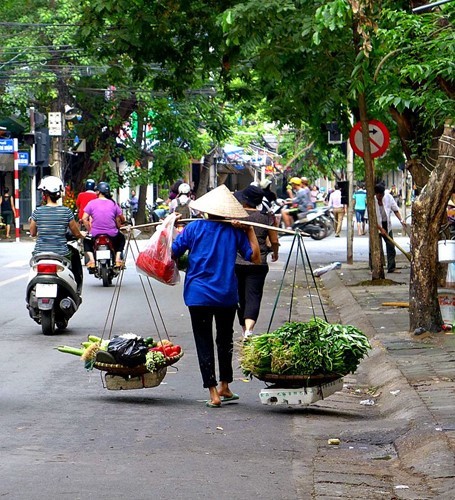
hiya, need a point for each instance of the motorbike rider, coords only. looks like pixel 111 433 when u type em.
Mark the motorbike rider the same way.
pixel 104 216
pixel 84 197
pixel 269 197
pixel 180 204
pixel 50 222
pixel 302 200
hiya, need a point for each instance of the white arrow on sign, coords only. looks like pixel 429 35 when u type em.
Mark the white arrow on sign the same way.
pixel 378 135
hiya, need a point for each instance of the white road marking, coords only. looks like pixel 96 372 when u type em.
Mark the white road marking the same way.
pixel 18 263
pixel 16 278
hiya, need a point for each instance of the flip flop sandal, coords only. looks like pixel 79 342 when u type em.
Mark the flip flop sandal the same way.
pixel 209 404
pixel 226 399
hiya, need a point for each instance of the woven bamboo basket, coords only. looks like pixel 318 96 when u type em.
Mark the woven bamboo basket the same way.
pixel 135 371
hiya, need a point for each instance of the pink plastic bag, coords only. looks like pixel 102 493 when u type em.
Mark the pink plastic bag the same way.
pixel 156 259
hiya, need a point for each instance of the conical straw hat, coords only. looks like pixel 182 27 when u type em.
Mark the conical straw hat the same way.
pixel 221 202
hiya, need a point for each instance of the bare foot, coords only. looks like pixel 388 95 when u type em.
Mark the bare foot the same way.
pixel 214 396
pixel 224 391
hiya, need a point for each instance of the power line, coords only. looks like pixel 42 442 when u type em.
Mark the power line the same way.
pixel 429 6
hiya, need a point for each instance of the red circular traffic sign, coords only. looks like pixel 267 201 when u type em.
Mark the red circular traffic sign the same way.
pixel 379 138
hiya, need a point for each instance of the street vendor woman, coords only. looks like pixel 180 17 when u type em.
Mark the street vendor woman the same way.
pixel 210 289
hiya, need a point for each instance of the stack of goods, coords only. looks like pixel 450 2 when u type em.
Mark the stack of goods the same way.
pixel 126 354
pixel 315 348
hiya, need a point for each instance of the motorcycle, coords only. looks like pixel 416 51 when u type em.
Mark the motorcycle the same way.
pixel 326 216
pixel 104 253
pixel 52 295
pixel 313 224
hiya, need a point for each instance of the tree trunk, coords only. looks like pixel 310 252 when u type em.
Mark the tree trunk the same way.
pixel 424 311
pixel 375 242
pixel 205 174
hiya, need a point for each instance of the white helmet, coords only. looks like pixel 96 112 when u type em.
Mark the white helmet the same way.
pixel 184 188
pixel 51 184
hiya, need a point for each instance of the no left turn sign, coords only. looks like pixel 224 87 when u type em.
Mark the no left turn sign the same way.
pixel 379 138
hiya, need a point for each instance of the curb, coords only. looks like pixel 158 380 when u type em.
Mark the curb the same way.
pixel 421 448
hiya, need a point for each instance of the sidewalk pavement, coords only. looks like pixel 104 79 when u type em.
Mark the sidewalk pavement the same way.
pixel 422 366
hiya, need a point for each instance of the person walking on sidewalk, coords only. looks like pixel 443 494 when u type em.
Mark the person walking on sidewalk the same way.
pixel 385 205
pixel 134 206
pixel 210 289
pixel 8 210
pixel 251 278
pixel 338 209
pixel 360 205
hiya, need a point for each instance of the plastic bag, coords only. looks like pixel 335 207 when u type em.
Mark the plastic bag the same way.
pixel 156 260
pixel 128 352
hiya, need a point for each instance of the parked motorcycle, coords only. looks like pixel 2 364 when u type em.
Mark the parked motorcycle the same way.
pixel 52 295
pixel 104 253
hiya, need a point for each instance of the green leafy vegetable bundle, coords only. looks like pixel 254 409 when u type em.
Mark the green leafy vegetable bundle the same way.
pixel 311 348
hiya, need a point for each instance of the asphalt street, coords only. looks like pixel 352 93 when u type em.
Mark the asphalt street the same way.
pixel 63 435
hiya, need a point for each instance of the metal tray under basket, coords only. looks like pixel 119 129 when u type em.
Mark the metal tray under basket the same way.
pixel 298 380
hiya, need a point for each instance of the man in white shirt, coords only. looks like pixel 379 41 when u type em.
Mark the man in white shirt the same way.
pixel 385 205
pixel 338 209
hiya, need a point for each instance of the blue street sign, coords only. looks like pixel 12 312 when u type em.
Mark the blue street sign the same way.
pixel 24 158
pixel 6 146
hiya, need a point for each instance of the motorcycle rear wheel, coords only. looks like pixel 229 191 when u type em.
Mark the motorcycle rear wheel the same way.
pixel 321 234
pixel 48 322
pixel 105 276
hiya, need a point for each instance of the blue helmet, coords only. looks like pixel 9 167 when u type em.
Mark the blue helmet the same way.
pixel 90 185
pixel 104 188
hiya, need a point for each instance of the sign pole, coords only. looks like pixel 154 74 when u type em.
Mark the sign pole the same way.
pixel 16 189
pixel 350 176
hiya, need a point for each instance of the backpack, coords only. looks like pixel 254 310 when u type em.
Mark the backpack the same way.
pixel 183 209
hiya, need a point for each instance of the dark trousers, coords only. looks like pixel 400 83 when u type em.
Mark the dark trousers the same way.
pixel 118 241
pixel 390 250
pixel 251 281
pixel 76 266
pixel 202 323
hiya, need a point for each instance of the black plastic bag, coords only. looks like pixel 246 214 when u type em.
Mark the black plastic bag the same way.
pixel 128 352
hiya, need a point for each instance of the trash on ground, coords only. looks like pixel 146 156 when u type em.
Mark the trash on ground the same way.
pixel 394 393
pixel 334 441
pixel 367 402
pixel 322 270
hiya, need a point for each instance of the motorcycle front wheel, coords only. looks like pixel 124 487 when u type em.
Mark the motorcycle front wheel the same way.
pixel 62 324
pixel 48 322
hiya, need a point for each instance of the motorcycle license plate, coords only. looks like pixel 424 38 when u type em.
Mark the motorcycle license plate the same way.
pixel 103 254
pixel 46 290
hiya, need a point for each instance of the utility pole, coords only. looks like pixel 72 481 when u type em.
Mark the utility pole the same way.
pixel 33 157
